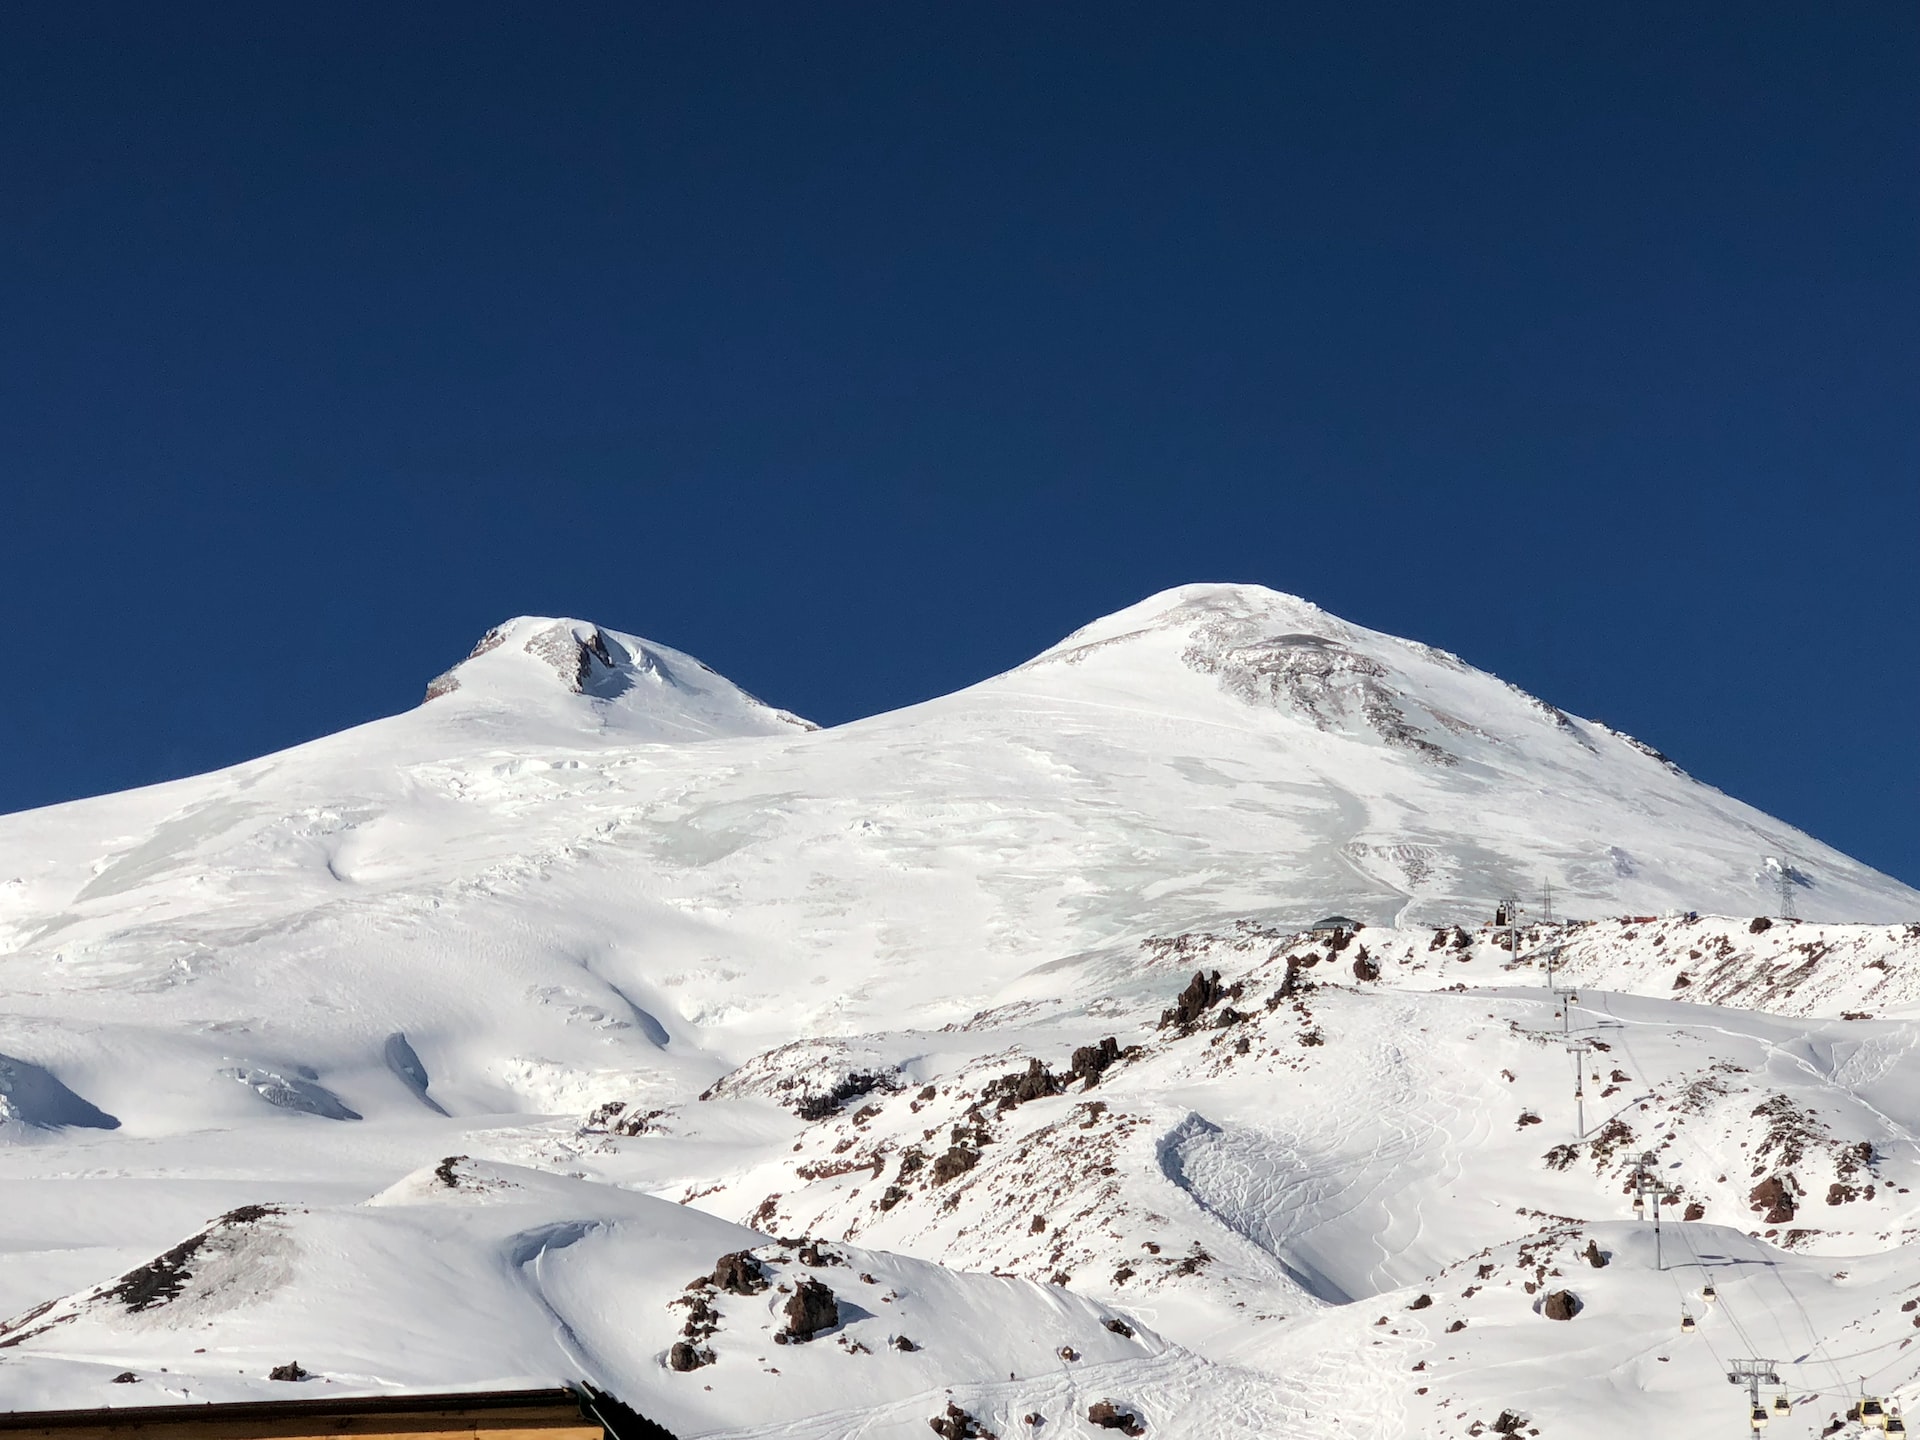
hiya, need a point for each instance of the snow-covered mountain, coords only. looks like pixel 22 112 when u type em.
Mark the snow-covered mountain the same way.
pixel 589 881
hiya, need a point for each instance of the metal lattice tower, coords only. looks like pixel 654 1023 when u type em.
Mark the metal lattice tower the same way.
pixel 1783 885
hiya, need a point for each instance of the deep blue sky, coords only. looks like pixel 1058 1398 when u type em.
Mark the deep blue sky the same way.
pixel 864 350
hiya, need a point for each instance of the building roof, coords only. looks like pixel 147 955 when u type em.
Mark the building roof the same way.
pixel 558 1413
pixel 1335 922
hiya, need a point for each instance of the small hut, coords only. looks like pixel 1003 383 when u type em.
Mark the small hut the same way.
pixel 1333 927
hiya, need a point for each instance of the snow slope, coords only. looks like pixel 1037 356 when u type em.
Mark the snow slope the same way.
pixel 588 882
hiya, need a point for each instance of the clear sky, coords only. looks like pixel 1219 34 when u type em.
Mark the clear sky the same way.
pixel 866 349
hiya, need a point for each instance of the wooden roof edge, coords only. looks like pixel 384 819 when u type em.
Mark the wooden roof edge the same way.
pixel 390 1403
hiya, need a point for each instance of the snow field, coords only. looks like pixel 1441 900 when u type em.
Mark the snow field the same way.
pixel 589 873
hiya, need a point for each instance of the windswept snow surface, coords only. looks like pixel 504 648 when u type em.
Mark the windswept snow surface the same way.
pixel 588 882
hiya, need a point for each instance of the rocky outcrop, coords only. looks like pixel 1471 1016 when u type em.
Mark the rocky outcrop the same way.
pixel 739 1274
pixel 684 1357
pixel 810 1309
pixel 1775 1196
pixel 1560 1305
pixel 957 1424
pixel 1110 1416
pixel 1090 1062
pixel 1203 992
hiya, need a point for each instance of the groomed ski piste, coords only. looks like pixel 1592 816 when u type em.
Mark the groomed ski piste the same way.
pixel 973 1067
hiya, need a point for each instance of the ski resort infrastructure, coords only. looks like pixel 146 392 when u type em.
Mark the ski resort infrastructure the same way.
pixel 1173 1036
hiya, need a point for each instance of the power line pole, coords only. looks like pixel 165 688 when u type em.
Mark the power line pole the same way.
pixel 1546 904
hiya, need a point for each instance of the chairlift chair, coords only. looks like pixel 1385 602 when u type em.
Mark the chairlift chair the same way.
pixel 1687 1327
pixel 1895 1425
pixel 1639 1203
pixel 1758 1420
pixel 1709 1294
pixel 1873 1415
pixel 1782 1405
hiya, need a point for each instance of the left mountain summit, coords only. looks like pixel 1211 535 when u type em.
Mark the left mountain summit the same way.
pixel 642 689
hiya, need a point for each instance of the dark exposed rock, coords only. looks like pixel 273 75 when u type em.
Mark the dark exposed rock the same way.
pixel 702 1319
pixel 1020 1086
pixel 1293 983
pixel 977 1135
pixel 891 1197
pixel 1420 1302
pixel 1593 1256
pixel 292 1370
pixel 957 1424
pixel 810 1309
pixel 1774 1196
pixel 1695 1211
pixel 957 1161
pixel 901 1342
pixel 634 1122
pixel 126 1377
pixel 1109 1416
pixel 1560 1305
pixel 162 1278
pixel 447 1171
pixel 739 1274
pixel 1508 1423
pixel 1203 992
pixel 1120 1327
pixel 1365 968
pixel 863 1082
pixel 684 1357
pixel 1090 1062
pixel 1761 924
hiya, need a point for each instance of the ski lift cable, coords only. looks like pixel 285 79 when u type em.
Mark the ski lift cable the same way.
pixel 1818 1345
pixel 1844 1389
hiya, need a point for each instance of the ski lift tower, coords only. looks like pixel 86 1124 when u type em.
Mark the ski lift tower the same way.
pixel 1579 1047
pixel 1509 912
pixel 1649 1190
pixel 1753 1373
